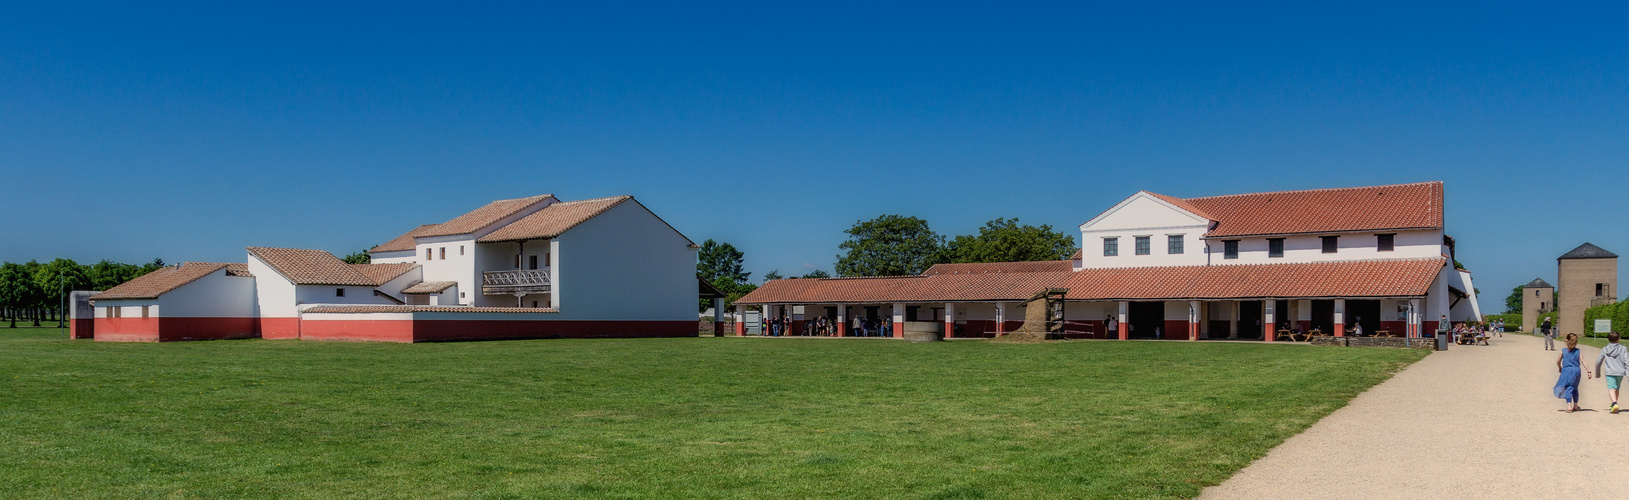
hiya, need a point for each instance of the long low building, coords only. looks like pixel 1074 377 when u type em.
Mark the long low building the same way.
pixel 1369 259
pixel 532 267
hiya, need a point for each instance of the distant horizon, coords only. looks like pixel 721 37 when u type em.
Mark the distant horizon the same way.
pixel 189 132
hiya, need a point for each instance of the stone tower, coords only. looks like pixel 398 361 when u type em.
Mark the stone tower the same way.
pixel 1536 299
pixel 1588 277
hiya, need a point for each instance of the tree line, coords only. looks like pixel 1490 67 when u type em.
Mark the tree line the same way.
pixel 32 291
pixel 895 245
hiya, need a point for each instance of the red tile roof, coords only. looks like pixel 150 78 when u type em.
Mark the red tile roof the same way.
pixel 404 242
pixel 1002 267
pixel 430 287
pixel 1375 208
pixel 163 280
pixel 1182 204
pixel 311 267
pixel 1372 278
pixel 553 220
pixel 383 273
pixel 482 217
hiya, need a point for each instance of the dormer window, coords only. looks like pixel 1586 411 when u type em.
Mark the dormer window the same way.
pixel 1331 243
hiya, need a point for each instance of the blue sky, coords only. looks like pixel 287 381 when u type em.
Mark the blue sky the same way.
pixel 188 132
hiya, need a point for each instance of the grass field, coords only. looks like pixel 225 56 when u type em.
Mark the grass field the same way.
pixel 688 418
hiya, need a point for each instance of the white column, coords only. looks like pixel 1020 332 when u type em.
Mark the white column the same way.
pixel 899 320
pixel 1413 318
pixel 1193 320
pixel 1269 320
pixel 1001 317
pixel 554 274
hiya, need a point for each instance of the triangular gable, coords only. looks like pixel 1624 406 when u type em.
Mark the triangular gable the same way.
pixel 1172 214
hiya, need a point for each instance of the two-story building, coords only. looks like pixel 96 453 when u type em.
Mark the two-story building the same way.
pixel 521 268
pixel 1156 266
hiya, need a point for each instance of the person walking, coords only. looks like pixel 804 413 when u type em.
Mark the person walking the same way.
pixel 1569 365
pixel 1615 358
pixel 1549 335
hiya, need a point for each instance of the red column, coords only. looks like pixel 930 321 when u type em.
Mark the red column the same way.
pixel 718 328
pixel 1125 331
pixel 950 320
pixel 1340 329
pixel 1193 331
pixel 1267 332
pixel 1120 319
pixel 842 321
pixel 899 320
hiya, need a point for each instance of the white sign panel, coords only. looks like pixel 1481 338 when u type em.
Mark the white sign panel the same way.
pixel 1603 326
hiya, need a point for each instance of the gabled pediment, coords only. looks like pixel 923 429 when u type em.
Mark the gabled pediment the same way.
pixel 1145 210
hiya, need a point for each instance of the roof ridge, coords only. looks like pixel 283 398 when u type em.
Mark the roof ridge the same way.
pixel 589 200
pixel 1409 259
pixel 1317 190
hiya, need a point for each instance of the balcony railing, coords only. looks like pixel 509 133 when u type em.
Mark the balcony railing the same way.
pixel 520 281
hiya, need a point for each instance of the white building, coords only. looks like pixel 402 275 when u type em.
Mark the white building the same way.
pixel 1236 266
pixel 521 268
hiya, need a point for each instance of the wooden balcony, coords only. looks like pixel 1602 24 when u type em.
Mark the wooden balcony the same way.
pixel 516 282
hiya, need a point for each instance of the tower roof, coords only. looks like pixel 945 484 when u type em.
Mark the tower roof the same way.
pixel 1537 283
pixel 1588 251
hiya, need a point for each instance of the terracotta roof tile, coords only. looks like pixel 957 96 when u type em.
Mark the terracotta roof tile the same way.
pixel 383 273
pixel 403 309
pixel 1372 278
pixel 404 242
pixel 1182 204
pixel 162 281
pixel 239 269
pixel 553 220
pixel 430 287
pixel 1001 267
pixel 311 267
pixel 482 217
pixel 1400 206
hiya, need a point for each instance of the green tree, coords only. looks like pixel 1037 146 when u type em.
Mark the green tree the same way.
pixel 817 274
pixel 773 275
pixel 1004 240
pixel 34 303
pixel 358 257
pixel 890 245
pixel 55 279
pixel 721 264
pixel 108 274
pixel 15 289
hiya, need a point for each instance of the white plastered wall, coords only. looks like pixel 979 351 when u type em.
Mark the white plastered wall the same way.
pixel 274 294
pixel 625 264
pixel 1421 244
pixel 213 296
pixel 1143 215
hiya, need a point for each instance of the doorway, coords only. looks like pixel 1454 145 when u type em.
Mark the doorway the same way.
pixel 1250 319
pixel 1146 318
pixel 1363 312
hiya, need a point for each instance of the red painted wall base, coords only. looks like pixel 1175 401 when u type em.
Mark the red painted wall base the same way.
pixel 173 329
pixel 459 330
pixel 82 328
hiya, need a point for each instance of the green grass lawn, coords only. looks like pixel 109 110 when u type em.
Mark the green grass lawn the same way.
pixel 689 418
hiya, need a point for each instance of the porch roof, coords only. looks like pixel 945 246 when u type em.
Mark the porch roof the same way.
pixel 1349 279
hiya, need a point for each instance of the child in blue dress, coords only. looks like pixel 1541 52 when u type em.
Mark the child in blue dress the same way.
pixel 1571 367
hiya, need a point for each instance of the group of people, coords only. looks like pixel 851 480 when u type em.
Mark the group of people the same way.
pixel 1612 364
pixel 782 326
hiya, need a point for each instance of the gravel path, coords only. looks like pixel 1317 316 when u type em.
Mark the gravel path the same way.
pixel 1469 422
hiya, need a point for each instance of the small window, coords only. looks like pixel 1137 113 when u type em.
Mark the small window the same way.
pixel 443 253
pixel 1142 245
pixel 144 311
pixel 1173 244
pixel 1275 247
pixel 1111 247
pixel 517 261
pixel 460 295
pixel 460 249
pixel 339 292
pixel 1331 243
pixel 428 255
pixel 1600 289
pixel 1385 242
pixel 1230 249
pixel 534 303
pixel 534 261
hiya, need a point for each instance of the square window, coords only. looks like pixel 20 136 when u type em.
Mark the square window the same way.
pixel 1275 247
pixel 1230 249
pixel 1173 244
pixel 339 292
pixel 1385 242
pixel 1142 245
pixel 1331 243
pixel 1111 247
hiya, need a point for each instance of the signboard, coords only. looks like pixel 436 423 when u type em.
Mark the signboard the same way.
pixel 1603 326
